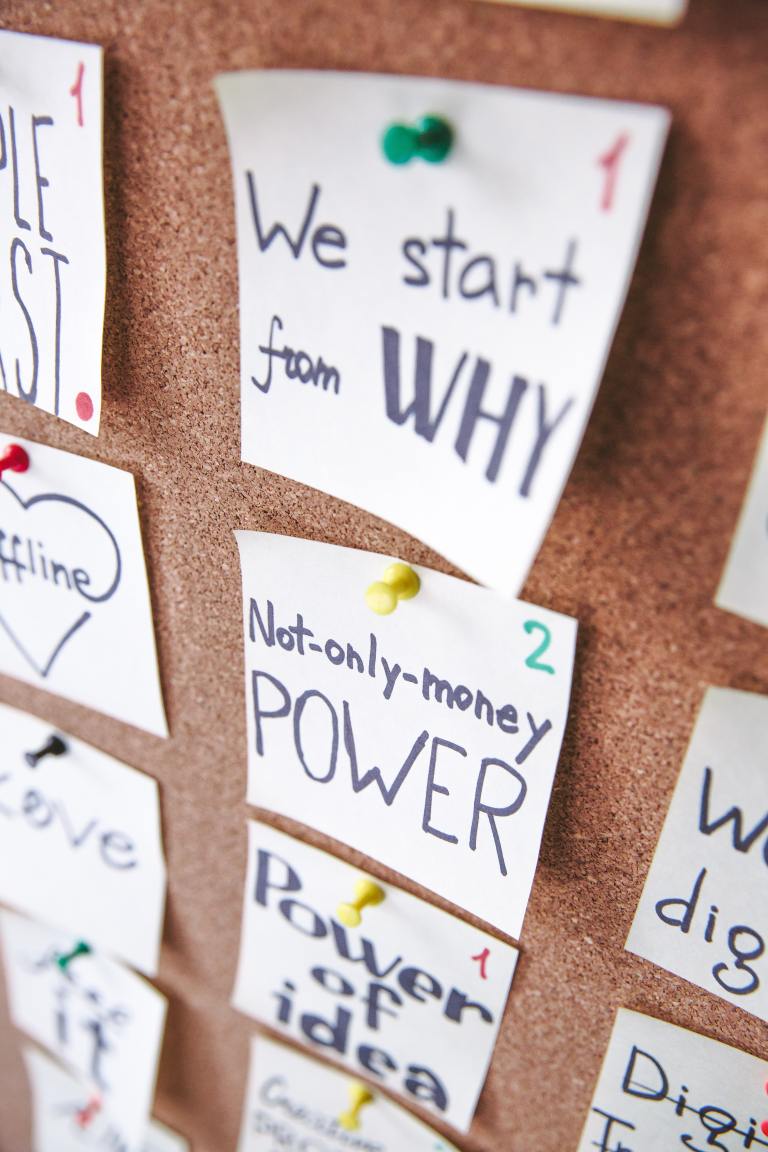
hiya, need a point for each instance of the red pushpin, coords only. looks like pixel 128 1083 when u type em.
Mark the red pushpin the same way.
pixel 84 1116
pixel 764 1125
pixel 15 459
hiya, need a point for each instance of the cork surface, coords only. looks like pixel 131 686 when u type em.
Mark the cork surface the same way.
pixel 635 551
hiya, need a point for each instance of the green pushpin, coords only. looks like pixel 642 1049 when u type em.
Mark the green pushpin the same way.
pixel 430 138
pixel 66 958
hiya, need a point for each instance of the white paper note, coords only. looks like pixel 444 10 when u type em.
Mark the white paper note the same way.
pixel 703 913
pixel 411 997
pixel 64 1119
pixel 428 739
pixel 663 1088
pixel 53 265
pixel 645 11
pixel 294 1102
pixel 75 615
pixel 103 1021
pixel 80 843
pixel 425 340
pixel 744 585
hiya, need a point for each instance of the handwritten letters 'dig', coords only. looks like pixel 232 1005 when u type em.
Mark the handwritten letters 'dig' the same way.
pixel 428 739
pixel 52 258
pixel 75 616
pixel 454 317
pixel 410 997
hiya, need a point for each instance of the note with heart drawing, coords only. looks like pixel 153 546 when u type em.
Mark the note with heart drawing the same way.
pixel 80 843
pixel 75 614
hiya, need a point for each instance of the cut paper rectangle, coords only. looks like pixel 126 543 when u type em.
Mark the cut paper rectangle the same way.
pixel 293 1102
pixel 80 840
pixel 64 1119
pixel 52 249
pixel 426 340
pixel 744 584
pixel 411 997
pixel 644 11
pixel 663 1087
pixel 428 738
pixel 703 913
pixel 100 1019
pixel 75 613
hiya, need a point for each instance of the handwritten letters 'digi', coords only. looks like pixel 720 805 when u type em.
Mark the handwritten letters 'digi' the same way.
pixel 80 842
pixel 411 997
pixel 294 1102
pixel 52 259
pixel 75 616
pixel 704 913
pixel 663 1088
pixel 453 318
pixel 64 1120
pixel 744 586
pixel 98 1017
pixel 428 739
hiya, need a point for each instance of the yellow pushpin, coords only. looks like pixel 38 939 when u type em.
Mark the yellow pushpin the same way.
pixel 400 583
pixel 366 892
pixel 359 1096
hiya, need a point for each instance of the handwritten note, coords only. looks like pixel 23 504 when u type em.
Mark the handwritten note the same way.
pixel 744 586
pixel 53 262
pixel 425 340
pixel 97 1016
pixel 295 1102
pixel 662 1087
pixel 400 998
pixel 703 912
pixel 428 739
pixel 65 1120
pixel 80 843
pixel 646 11
pixel 75 615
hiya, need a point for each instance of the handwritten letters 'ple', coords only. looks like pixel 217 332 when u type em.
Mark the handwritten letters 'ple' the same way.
pixel 426 340
pixel 428 739
pixel 52 255
pixel 75 615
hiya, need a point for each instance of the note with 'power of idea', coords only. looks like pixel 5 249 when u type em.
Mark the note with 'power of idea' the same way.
pixel 452 317
pixel 428 738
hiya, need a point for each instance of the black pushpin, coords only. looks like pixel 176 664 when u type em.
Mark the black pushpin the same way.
pixel 55 746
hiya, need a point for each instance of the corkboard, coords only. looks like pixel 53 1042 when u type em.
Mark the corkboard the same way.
pixel 635 550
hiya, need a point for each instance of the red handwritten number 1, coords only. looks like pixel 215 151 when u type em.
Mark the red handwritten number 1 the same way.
pixel 77 91
pixel 483 958
pixel 610 162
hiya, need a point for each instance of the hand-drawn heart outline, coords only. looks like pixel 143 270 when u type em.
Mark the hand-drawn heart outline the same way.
pixel 86 616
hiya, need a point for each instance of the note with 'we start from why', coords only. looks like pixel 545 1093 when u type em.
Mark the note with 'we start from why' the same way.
pixel 426 339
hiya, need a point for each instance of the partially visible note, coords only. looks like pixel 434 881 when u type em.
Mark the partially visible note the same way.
pixel 75 612
pixel 703 913
pixel 293 1102
pixel 662 1087
pixel 62 1122
pixel 398 997
pixel 80 842
pixel 744 584
pixel 52 249
pixel 99 1018
pixel 644 11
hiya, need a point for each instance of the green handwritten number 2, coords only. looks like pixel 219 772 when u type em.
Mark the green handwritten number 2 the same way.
pixel 533 660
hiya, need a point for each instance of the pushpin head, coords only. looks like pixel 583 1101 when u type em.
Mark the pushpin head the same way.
pixel 54 746
pixel 430 138
pixel 366 892
pixel 14 459
pixel 359 1096
pixel 400 583
pixel 66 958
